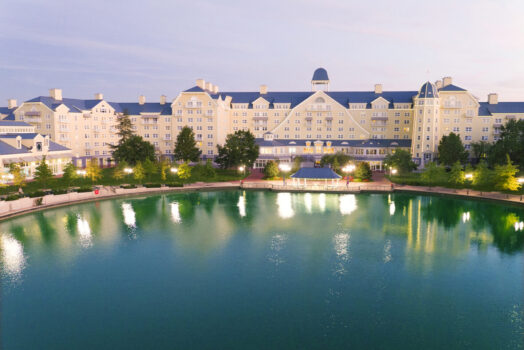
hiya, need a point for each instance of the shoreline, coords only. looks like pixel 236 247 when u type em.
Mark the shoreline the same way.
pixel 28 205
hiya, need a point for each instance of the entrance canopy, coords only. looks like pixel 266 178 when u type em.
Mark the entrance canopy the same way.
pixel 316 174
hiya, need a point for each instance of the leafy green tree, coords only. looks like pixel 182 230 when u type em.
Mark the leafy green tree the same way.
pixel 43 174
pixel 18 175
pixel 118 171
pixel 456 175
pixel 271 169
pixel 185 146
pixel 504 176
pixel 363 171
pixel 297 163
pixel 133 150
pixel 433 173
pixel 184 171
pixel 165 169
pixel 150 168
pixel 138 172
pixel 209 170
pixel 69 174
pixel 240 149
pixel 451 150
pixel 336 161
pixel 400 160
pixel 482 176
pixel 480 150
pixel 511 141
pixel 93 170
pixel 124 128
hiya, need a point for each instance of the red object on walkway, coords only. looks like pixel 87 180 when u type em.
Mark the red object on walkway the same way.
pixel 97 191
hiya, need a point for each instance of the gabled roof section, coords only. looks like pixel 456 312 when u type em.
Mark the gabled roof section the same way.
pixel 135 108
pixel 54 147
pixel 195 89
pixel 486 109
pixel 451 87
pixel 12 123
pixel 74 105
pixel 24 136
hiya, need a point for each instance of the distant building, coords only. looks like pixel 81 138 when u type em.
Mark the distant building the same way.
pixel 364 124
pixel 21 145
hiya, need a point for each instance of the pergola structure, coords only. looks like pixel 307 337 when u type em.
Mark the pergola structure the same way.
pixel 313 174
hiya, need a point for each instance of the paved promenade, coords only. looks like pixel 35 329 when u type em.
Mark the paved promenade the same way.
pixel 24 205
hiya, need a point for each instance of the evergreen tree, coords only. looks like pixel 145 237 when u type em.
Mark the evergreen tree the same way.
pixel 184 171
pixel 451 150
pixel 482 176
pixel 511 141
pixel 124 128
pixel 433 174
pixel 43 174
pixel 271 170
pixel 185 146
pixel 150 168
pixel 18 175
pixel 363 171
pixel 400 160
pixel 240 149
pixel 504 176
pixel 93 170
pixel 69 174
pixel 165 169
pixel 456 175
pixel 139 172
pixel 118 171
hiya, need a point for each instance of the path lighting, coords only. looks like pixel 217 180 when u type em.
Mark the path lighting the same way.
pixel 174 170
pixel 519 226
pixel 348 168
pixel 394 171
pixel 241 168
pixel 284 168
pixel 520 180
pixel 128 170
pixel 81 172
pixel 469 176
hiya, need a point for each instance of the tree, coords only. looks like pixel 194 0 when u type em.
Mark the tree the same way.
pixel 271 169
pixel 451 150
pixel 184 171
pixel 456 175
pixel 150 168
pixel 400 160
pixel 93 170
pixel 165 168
pixel 240 149
pixel 363 171
pixel 133 150
pixel 433 173
pixel 480 150
pixel 138 172
pixel 185 146
pixel 69 174
pixel 511 141
pixel 482 175
pixel 124 128
pixel 209 170
pixel 43 173
pixel 504 176
pixel 336 160
pixel 18 174
pixel 118 171
pixel 297 163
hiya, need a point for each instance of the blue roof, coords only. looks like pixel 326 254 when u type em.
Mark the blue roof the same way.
pixel 53 146
pixel 73 104
pixel 134 108
pixel 24 136
pixel 8 149
pixel 428 90
pixel 12 123
pixel 320 74
pixel 195 89
pixel 8 112
pixel 486 109
pixel 451 87
pixel 368 143
pixel 315 173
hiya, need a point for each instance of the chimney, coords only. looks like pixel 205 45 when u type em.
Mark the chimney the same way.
pixel 56 94
pixel 11 103
pixel 209 86
pixel 438 84
pixel 99 96
pixel 162 99
pixel 493 98
pixel 446 81
pixel 201 83
pixel 263 89
pixel 141 99
pixel 378 88
pixel 215 89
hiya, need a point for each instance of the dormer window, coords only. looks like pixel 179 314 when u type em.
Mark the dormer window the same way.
pixel 39 146
pixel 19 144
pixel 320 100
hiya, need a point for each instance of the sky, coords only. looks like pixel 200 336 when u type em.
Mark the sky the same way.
pixel 127 48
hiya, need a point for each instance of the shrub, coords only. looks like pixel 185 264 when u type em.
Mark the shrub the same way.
pixel 271 170
pixel 13 197
pixel 83 189
pixel 152 185
pixel 39 201
pixel 175 184
pixel 57 192
pixel 127 187
pixel 36 194
pixel 363 171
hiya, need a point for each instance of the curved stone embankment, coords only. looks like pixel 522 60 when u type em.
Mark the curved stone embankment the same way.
pixel 24 205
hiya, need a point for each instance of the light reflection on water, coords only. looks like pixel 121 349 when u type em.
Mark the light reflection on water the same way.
pixel 175 213
pixel 129 215
pixel 84 232
pixel 241 205
pixel 285 208
pixel 13 258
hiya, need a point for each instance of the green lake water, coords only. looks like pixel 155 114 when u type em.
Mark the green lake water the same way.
pixel 264 270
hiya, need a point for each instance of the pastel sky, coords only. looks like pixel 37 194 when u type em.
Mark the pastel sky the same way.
pixel 126 48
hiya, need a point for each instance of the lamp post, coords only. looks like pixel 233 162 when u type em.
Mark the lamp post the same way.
pixel 394 171
pixel 81 172
pixel 174 170
pixel 468 176
pixel 284 168
pixel 241 169
pixel 128 171
pixel 347 170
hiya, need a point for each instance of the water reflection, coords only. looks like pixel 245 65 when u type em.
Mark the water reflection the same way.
pixel 341 242
pixel 348 203
pixel 84 232
pixel 285 209
pixel 278 243
pixel 322 202
pixel 242 205
pixel 175 213
pixel 308 202
pixel 12 256
pixel 129 215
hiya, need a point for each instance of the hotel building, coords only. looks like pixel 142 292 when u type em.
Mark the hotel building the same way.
pixel 364 124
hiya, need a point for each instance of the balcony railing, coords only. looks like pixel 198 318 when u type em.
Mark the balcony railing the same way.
pixel 33 114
